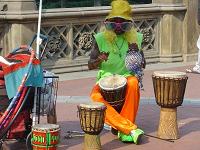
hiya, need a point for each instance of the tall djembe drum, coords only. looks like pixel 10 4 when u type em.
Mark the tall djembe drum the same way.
pixel 92 116
pixel 169 89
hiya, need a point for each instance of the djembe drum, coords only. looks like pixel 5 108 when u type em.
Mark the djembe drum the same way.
pixel 113 90
pixel 45 136
pixel 92 116
pixel 169 89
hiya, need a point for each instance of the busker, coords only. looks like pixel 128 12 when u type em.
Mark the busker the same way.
pixel 108 55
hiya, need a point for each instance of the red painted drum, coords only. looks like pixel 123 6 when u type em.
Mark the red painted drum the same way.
pixel 45 136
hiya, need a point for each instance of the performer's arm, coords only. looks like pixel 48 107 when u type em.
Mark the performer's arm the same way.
pixel 96 57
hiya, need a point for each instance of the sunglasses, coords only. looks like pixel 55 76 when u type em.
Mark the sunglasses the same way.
pixel 124 26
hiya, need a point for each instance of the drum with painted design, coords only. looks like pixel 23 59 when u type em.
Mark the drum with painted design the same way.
pixel 45 136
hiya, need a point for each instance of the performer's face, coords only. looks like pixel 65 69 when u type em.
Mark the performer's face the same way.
pixel 118 25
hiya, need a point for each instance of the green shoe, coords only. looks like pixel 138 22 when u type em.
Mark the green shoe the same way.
pixel 137 135
pixel 125 138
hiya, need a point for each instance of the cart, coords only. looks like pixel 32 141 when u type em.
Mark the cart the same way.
pixel 38 101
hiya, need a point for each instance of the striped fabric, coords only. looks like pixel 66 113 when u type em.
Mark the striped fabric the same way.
pixel 14 74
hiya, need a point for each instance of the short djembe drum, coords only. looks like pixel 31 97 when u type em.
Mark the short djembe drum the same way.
pixel 92 116
pixel 169 89
pixel 45 136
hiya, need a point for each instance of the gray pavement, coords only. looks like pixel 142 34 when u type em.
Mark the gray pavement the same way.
pixel 75 88
pixel 147 119
pixel 81 83
pixel 93 73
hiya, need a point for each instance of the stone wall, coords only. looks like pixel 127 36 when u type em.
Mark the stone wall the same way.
pixel 169 33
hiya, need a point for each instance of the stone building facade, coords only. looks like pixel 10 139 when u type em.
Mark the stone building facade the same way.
pixel 170 29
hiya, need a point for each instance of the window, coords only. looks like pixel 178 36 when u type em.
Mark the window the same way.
pixel 48 4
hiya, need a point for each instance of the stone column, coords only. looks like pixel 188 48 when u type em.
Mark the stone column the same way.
pixel 191 31
pixel 17 31
pixel 19 5
pixel 171 31
pixel 179 33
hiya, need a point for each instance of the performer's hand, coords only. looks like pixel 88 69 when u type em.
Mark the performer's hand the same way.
pixel 103 56
pixel 133 47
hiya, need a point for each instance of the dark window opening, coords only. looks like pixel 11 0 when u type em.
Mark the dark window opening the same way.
pixel 48 4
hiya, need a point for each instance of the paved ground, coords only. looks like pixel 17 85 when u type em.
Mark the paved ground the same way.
pixel 74 88
pixel 80 84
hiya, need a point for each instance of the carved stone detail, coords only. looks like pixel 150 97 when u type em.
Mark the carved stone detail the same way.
pixel 59 45
pixel 147 28
pixel 83 37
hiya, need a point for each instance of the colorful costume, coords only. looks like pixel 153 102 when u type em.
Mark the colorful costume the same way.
pixel 117 46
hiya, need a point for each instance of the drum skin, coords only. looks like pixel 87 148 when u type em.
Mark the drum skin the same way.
pixel 45 136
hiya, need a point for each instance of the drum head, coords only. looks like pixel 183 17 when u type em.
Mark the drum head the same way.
pixel 92 105
pixel 112 82
pixel 170 74
pixel 44 127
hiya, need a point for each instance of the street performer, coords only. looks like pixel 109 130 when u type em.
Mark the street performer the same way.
pixel 108 55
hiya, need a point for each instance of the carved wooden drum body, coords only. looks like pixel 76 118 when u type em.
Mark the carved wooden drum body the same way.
pixel 113 89
pixel 169 90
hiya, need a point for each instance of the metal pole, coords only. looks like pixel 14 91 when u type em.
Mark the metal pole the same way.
pixel 38 31
pixel 37 55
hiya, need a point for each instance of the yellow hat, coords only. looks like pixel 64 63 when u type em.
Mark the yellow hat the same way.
pixel 120 8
